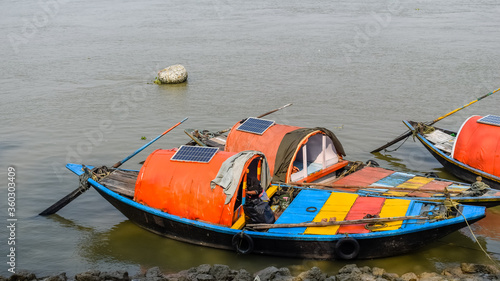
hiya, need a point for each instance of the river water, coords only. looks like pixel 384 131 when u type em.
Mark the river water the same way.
pixel 77 86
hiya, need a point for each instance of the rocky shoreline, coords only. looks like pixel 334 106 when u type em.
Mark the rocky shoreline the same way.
pixel 206 272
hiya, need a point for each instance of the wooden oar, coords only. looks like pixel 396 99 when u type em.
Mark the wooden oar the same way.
pixel 77 192
pixel 408 133
pixel 262 115
pixel 343 187
pixel 272 111
pixel 119 163
pixel 330 223
pixel 195 139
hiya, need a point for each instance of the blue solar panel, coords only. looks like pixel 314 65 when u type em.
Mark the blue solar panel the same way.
pixel 255 125
pixel 490 119
pixel 202 154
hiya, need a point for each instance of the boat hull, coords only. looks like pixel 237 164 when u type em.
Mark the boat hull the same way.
pixel 456 168
pixel 296 246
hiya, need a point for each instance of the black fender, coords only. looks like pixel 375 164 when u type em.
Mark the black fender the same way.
pixel 242 243
pixel 347 248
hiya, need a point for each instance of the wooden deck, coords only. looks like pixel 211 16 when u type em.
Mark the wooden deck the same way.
pixel 121 182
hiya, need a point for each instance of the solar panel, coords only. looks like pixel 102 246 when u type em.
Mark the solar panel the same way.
pixel 490 119
pixel 201 154
pixel 255 125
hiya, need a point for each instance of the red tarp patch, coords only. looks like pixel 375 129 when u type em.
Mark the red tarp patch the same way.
pixel 362 207
pixel 435 185
pixel 365 176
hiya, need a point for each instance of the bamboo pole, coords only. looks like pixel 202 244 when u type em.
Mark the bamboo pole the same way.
pixel 330 223
pixel 343 187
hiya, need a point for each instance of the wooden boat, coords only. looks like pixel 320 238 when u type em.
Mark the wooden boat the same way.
pixel 473 151
pixel 289 149
pixel 190 200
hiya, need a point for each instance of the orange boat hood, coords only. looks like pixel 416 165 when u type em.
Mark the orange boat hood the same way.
pixel 283 146
pixel 188 190
pixel 478 145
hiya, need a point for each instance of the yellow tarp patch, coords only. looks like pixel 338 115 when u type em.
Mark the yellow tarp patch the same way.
pixel 416 182
pixel 337 205
pixel 393 208
pixel 395 193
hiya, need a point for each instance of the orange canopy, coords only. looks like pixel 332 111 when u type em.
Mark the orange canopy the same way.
pixel 183 188
pixel 267 143
pixel 478 145
pixel 284 148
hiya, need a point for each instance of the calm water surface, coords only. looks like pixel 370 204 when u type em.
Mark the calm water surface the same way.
pixel 76 86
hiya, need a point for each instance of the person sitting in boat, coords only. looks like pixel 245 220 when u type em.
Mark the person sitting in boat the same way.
pixel 476 189
pixel 256 207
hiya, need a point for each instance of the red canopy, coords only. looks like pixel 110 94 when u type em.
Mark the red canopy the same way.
pixel 478 145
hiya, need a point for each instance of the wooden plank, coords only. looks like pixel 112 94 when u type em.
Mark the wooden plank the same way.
pixel 121 182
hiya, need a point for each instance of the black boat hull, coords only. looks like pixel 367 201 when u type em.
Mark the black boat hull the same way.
pixel 277 245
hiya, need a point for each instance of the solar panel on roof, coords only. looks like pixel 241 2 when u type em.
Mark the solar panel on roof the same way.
pixel 255 125
pixel 490 119
pixel 201 154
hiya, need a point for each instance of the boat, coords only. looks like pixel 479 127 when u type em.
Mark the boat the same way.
pixel 200 195
pixel 473 151
pixel 290 148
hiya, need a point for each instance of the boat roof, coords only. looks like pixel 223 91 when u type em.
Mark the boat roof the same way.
pixel 281 145
pixel 478 144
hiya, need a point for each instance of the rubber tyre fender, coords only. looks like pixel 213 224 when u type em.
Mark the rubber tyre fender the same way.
pixel 242 243
pixel 347 248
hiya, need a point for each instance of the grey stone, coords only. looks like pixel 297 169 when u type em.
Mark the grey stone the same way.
pixel 273 273
pixel 310 275
pixel 410 276
pixel 92 275
pixel 431 276
pixel 173 74
pixel 390 276
pixel 119 275
pixel 154 272
pixel 22 276
pixel 205 277
pixel 479 268
pixel 204 269
pixel 221 272
pixel 60 277
pixel 243 275
pixel 377 271
pixel 350 268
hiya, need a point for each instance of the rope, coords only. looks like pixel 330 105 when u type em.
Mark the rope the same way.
pixel 399 145
pixel 477 241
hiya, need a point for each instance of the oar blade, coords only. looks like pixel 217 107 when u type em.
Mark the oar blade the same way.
pixel 63 202
pixel 396 140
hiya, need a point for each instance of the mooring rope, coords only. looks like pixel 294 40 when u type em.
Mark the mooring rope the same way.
pixel 477 241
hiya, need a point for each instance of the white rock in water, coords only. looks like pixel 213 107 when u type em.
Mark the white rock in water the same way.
pixel 173 74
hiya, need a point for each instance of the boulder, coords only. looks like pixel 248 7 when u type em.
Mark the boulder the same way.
pixel 273 273
pixel 173 74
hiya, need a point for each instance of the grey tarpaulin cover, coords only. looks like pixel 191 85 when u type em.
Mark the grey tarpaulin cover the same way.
pixel 231 170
